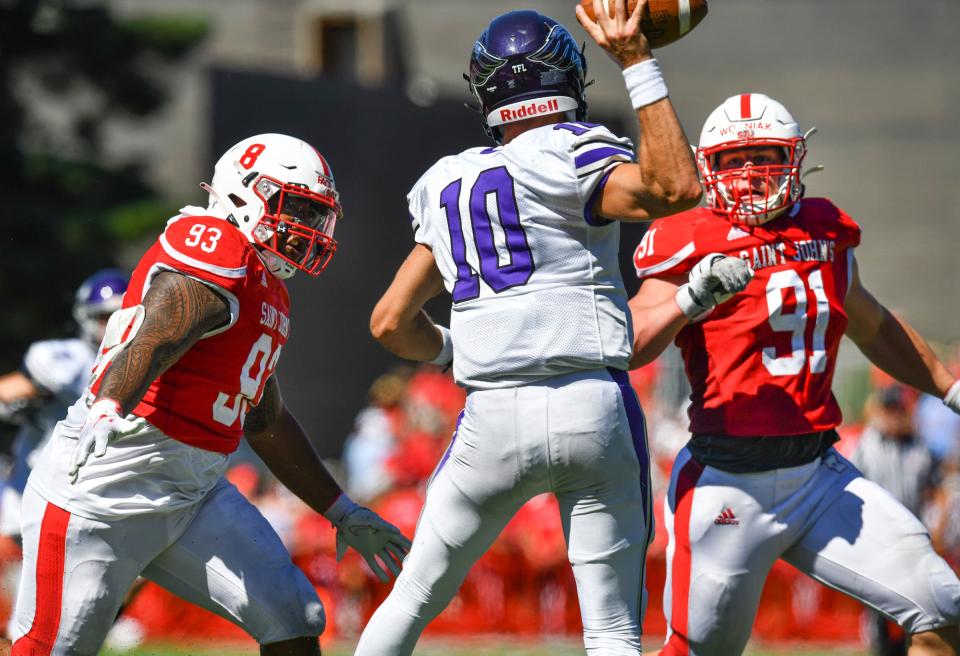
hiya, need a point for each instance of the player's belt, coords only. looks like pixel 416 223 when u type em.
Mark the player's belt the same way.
pixel 760 452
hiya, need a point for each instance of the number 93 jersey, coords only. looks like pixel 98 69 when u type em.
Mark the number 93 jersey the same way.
pixel 762 363
pixel 534 276
pixel 203 398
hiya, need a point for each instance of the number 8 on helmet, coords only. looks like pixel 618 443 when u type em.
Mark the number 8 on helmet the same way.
pixel 279 191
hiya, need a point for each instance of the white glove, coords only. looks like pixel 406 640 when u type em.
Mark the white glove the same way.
pixel 714 280
pixel 952 397
pixel 369 534
pixel 102 427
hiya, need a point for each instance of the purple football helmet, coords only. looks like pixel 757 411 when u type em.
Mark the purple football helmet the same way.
pixel 98 297
pixel 526 64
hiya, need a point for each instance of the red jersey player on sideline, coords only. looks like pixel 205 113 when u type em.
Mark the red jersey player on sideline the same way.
pixel 759 479
pixel 131 482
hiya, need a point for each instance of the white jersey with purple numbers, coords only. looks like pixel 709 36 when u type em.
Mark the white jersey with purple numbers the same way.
pixel 534 276
pixel 61 369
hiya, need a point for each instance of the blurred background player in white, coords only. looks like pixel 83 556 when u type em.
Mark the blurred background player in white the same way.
pixel 521 236
pixel 53 374
pixel 759 479
pixel 132 481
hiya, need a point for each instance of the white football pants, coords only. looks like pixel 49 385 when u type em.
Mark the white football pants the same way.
pixel 726 531
pixel 580 436
pixel 220 554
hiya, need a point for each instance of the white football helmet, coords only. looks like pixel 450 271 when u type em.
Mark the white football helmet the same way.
pixel 751 194
pixel 280 193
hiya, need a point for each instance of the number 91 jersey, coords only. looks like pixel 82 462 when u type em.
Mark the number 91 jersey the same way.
pixel 533 274
pixel 203 398
pixel 762 363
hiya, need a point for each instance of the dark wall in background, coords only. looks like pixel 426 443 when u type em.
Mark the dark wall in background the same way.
pixel 378 144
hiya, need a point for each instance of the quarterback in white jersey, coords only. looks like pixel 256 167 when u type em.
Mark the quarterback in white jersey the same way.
pixel 521 235
pixel 53 374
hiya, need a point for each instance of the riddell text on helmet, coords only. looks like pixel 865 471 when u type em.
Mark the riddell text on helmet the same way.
pixel 533 109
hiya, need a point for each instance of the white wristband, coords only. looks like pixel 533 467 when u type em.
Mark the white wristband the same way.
pixel 446 350
pixel 645 83
pixel 339 509
pixel 952 398
pixel 688 304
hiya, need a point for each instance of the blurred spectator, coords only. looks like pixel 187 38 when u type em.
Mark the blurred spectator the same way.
pixel 937 425
pixel 374 436
pixel 943 513
pixel 890 454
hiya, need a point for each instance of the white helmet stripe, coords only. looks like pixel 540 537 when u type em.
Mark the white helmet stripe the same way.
pixel 684 7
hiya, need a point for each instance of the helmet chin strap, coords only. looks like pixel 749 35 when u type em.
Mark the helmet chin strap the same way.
pixel 216 206
pixel 277 265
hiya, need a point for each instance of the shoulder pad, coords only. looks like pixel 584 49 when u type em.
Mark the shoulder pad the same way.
pixel 208 244
pixel 833 219
pixel 57 364
pixel 593 148
pixel 669 246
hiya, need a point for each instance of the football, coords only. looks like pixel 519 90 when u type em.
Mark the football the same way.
pixel 663 21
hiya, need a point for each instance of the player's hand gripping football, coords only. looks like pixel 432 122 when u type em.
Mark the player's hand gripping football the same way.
pixel 102 427
pixel 714 280
pixel 620 35
pixel 372 537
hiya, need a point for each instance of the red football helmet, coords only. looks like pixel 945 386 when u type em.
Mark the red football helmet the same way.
pixel 740 189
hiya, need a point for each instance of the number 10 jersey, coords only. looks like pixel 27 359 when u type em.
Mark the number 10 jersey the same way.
pixel 762 363
pixel 534 276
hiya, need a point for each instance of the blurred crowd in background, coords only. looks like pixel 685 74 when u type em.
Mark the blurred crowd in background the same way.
pixel 906 442
pixel 110 123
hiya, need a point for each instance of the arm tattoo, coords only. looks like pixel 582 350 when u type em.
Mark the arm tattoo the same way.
pixel 178 311
pixel 264 415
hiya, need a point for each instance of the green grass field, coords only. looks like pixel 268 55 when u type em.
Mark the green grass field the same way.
pixel 471 647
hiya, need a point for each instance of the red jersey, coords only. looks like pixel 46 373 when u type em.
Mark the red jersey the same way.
pixel 762 363
pixel 203 398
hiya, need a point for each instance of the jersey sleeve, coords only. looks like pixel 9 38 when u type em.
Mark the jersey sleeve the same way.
pixel 668 248
pixel 595 151
pixel 849 230
pixel 208 249
pixel 417 207
pixel 848 238
pixel 56 366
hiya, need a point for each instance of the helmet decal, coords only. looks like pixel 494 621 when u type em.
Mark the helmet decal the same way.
pixel 484 65
pixel 559 51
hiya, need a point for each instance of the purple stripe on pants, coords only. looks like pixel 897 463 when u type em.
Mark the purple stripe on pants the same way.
pixel 638 432
pixel 634 416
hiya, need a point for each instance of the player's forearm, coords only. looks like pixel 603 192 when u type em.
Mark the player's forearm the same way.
pixel 15 386
pixel 900 351
pixel 286 450
pixel 129 376
pixel 665 158
pixel 654 328
pixel 415 338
